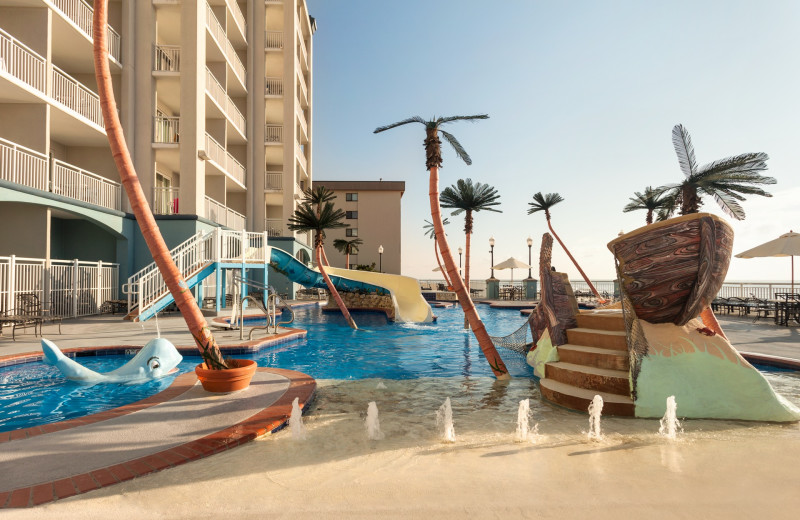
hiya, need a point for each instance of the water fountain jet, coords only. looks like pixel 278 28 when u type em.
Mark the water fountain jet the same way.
pixel 595 411
pixel 670 425
pixel 374 432
pixel 444 421
pixel 296 422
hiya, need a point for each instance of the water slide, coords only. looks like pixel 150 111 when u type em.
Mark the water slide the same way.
pixel 409 305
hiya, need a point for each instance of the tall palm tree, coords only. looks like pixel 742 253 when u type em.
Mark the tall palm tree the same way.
pixel 466 197
pixel 316 197
pixel 433 153
pixel 306 218
pixel 652 199
pixel 144 216
pixel 430 232
pixel 726 180
pixel 347 247
pixel 544 203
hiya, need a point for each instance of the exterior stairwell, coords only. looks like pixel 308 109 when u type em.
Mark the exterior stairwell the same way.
pixel 594 361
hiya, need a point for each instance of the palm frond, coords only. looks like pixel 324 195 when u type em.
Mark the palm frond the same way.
pixel 682 142
pixel 444 120
pixel 450 138
pixel 466 196
pixel 748 163
pixel 430 229
pixel 415 119
pixel 729 205
pixel 544 202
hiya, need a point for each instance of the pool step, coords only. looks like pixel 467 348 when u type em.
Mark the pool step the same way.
pixel 601 320
pixel 589 377
pixel 579 399
pixel 594 356
pixel 609 339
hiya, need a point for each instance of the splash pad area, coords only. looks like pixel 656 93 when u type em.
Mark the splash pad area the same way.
pixel 713 469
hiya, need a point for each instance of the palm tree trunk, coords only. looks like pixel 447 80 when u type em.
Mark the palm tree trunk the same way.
pixel 439 261
pixel 347 261
pixel 324 256
pixel 586 278
pixel 484 341
pixel 332 289
pixel 466 268
pixel 144 216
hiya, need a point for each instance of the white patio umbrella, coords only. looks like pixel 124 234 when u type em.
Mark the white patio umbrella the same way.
pixel 787 244
pixel 512 263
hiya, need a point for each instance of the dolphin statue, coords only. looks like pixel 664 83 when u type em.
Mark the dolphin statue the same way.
pixel 156 359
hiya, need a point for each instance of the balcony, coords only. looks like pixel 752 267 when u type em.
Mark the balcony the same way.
pixel 238 17
pixel 301 118
pixel 165 201
pixel 224 216
pixel 167 58
pixel 273 134
pixel 219 35
pixel 275 227
pixel 225 104
pixel 273 181
pixel 224 161
pixel 273 40
pixel 77 97
pixel 166 130
pixel 80 13
pixel 273 87
pixel 301 157
pixel 19 61
pixel 23 166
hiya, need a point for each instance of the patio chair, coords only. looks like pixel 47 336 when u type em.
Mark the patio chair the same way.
pixel 762 308
pixel 32 307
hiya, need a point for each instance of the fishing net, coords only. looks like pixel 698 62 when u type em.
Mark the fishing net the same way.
pixel 517 341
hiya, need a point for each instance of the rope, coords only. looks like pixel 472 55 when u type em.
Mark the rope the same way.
pixel 516 341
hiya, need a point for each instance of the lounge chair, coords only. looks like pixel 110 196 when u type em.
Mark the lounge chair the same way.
pixel 28 312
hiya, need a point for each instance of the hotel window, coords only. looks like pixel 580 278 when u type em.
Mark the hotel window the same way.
pixel 351 197
pixel 351 232
pixel 351 214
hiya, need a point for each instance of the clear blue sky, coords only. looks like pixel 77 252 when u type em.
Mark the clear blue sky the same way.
pixel 582 97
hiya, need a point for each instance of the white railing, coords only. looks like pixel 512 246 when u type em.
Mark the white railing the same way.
pixel 81 13
pixel 301 80
pixel 238 17
pixel 223 215
pixel 273 40
pixel 273 134
pixel 764 291
pixel 273 180
pixel 68 288
pixel 275 227
pixel 273 86
pixel 166 129
pixel 79 184
pixel 226 162
pixel 165 201
pixel 22 62
pixel 217 93
pixel 23 166
pixel 302 118
pixel 167 58
pixel 218 33
pixel 71 93
pixel 301 157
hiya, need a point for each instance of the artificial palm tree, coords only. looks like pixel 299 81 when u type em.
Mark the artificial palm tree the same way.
pixel 306 218
pixel 466 197
pixel 144 216
pixel 316 197
pixel 726 180
pixel 544 203
pixel 433 153
pixel 430 232
pixel 347 248
pixel 652 199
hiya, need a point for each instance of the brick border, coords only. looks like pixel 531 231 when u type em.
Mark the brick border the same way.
pixel 266 421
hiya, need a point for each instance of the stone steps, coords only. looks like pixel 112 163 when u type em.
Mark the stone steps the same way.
pixel 610 339
pixel 579 398
pixel 594 356
pixel 600 320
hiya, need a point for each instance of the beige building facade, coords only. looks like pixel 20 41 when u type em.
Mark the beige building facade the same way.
pixel 373 210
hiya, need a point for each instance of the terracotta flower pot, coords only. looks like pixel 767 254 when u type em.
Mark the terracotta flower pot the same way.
pixel 228 380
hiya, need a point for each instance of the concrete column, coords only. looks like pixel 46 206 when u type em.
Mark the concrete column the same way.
pixel 492 288
pixel 529 287
pixel 256 156
pixel 138 95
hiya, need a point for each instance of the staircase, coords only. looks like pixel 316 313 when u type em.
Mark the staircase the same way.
pixel 594 361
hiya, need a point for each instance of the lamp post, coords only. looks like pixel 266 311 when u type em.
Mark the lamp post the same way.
pixel 459 260
pixel 380 259
pixel 491 245
pixel 530 243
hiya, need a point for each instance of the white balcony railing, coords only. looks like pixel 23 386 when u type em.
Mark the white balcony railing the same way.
pixel 275 227
pixel 273 86
pixel 238 17
pixel 273 180
pixel 22 165
pixel 79 184
pixel 273 40
pixel 223 215
pixel 225 103
pixel 301 157
pixel 301 118
pixel 23 63
pixel 166 129
pixel 167 58
pixel 273 134
pixel 81 13
pixel 216 30
pixel 226 162
pixel 77 97
pixel 165 201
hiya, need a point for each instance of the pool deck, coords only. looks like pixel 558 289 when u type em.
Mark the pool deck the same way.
pixel 45 463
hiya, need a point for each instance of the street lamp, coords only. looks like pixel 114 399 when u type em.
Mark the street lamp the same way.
pixel 491 245
pixel 380 259
pixel 459 259
pixel 530 243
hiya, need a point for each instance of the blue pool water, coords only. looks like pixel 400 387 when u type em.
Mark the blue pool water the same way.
pixel 35 393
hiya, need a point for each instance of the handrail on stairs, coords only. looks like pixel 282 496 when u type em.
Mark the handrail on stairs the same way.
pixel 273 300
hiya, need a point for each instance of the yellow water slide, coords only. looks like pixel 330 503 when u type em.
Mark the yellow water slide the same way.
pixel 409 303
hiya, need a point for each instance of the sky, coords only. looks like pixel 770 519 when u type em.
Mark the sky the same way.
pixel 582 98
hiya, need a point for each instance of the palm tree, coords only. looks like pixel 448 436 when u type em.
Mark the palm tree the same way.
pixel 306 218
pixel 433 153
pixel 316 197
pixel 430 232
pixel 544 203
pixel 726 179
pixel 651 200
pixel 144 216
pixel 465 197
pixel 347 247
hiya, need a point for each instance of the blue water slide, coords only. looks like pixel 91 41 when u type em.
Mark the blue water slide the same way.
pixel 298 272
